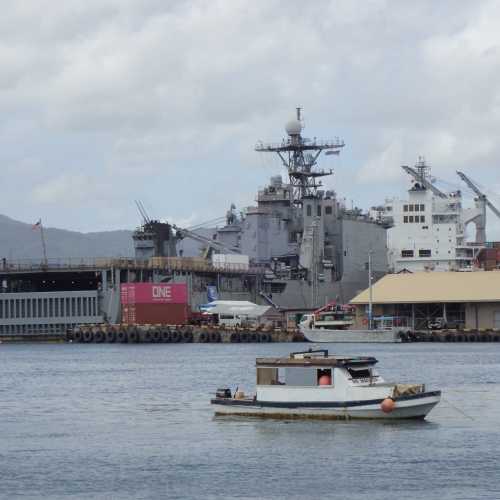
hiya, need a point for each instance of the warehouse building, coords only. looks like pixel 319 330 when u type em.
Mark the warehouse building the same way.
pixel 461 300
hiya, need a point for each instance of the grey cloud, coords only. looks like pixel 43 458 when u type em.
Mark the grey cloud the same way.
pixel 159 98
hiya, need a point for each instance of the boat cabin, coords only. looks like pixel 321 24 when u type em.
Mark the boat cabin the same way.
pixel 313 375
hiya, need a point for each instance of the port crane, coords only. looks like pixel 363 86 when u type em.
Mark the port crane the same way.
pixel 481 201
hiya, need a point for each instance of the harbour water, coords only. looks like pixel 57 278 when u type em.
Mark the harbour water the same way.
pixel 134 421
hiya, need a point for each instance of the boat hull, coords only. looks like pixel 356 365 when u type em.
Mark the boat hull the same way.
pixel 346 336
pixel 406 407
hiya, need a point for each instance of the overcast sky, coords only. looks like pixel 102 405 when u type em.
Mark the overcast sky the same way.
pixel 106 101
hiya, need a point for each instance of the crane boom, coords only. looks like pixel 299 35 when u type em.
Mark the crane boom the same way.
pixel 424 181
pixel 207 241
pixel 142 211
pixel 479 193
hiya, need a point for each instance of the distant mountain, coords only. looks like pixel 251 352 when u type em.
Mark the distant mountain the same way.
pixel 19 240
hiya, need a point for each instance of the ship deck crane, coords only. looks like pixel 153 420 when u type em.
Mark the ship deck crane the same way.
pixel 481 203
pixel 418 174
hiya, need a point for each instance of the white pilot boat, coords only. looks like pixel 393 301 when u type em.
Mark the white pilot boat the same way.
pixel 314 384
pixel 333 323
pixel 335 326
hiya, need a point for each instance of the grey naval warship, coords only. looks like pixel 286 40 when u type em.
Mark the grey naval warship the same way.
pixel 296 250
pixel 303 245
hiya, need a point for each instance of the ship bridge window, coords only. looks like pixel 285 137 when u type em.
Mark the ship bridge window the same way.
pixel 417 208
pixel 424 253
pixel 422 208
pixel 410 208
pixel 405 208
pixel 318 210
pixel 406 253
pixel 328 210
pixel 405 219
pixel 410 218
pixel 309 210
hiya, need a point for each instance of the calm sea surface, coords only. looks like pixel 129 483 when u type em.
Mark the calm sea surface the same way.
pixel 134 421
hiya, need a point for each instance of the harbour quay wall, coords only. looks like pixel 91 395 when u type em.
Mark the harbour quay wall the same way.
pixel 133 333
pixel 465 335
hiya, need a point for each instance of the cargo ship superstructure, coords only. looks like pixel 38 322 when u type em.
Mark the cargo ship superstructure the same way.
pixel 428 229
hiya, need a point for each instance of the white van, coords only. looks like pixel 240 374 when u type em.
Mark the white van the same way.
pixel 229 319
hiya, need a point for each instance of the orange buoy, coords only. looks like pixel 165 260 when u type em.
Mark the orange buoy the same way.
pixel 325 380
pixel 387 405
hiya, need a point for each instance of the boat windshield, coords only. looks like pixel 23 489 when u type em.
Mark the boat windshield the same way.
pixel 360 373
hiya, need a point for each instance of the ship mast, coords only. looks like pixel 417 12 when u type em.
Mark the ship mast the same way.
pixel 299 155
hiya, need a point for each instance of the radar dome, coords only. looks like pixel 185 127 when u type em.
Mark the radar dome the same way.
pixel 293 127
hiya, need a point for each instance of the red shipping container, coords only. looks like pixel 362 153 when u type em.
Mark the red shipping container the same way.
pixel 154 293
pixel 151 314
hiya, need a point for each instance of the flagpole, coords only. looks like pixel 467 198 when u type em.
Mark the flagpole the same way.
pixel 42 235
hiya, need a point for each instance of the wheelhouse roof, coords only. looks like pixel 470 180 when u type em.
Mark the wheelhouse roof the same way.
pixel 312 359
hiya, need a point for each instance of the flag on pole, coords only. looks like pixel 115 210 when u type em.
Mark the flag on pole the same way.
pixel 37 224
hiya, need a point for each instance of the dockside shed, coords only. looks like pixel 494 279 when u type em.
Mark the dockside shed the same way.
pixel 469 300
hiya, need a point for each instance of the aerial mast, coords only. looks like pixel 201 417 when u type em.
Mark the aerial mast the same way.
pixel 299 155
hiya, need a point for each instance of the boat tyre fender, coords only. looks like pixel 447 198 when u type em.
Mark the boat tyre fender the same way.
pixel 402 335
pixel 175 336
pixel 486 337
pixel 145 336
pixel 265 337
pixel 495 337
pixel 99 337
pixel 121 336
pixel 157 335
pixel 78 335
pixel 214 337
pixel 203 337
pixel 472 337
pixel 234 338
pixel 168 335
pixel 111 335
pixel 253 337
pixel 187 336
pixel 244 336
pixel 459 337
pixel 133 334
pixel 88 336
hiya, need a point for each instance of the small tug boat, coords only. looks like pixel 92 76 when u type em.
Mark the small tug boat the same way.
pixel 314 384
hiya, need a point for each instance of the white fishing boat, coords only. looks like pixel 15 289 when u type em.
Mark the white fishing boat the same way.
pixel 314 384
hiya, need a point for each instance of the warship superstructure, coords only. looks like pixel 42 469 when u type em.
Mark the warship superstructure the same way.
pixel 300 239
pixel 298 248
